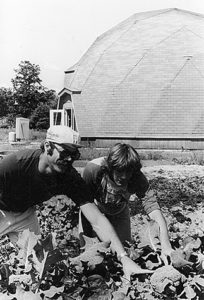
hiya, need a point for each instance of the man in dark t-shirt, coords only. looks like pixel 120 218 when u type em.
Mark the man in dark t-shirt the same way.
pixel 29 177
pixel 22 185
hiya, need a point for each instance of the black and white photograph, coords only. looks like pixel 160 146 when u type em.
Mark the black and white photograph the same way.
pixel 102 150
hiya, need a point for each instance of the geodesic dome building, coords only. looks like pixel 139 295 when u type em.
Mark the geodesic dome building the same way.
pixel 141 82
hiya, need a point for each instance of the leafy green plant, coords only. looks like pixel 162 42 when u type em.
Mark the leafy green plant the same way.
pixel 52 266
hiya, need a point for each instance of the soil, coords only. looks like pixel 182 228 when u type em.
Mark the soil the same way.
pixel 178 188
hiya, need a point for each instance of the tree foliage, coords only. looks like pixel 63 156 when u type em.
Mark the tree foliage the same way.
pixel 40 117
pixel 27 88
pixel 27 97
pixel 5 96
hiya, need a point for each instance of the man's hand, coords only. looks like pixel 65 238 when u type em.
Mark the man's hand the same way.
pixel 129 268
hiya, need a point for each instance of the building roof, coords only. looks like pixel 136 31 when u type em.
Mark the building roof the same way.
pixel 142 78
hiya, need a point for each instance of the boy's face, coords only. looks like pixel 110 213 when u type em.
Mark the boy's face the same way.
pixel 121 178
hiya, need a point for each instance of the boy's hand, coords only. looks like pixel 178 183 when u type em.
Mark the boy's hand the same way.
pixel 166 255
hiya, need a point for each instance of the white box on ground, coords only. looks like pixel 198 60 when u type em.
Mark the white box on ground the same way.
pixel 12 137
pixel 22 129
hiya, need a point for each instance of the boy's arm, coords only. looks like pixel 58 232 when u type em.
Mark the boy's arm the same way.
pixel 152 208
pixel 157 216
pixel 106 233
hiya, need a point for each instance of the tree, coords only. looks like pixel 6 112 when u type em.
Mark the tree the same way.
pixel 48 97
pixel 40 117
pixel 29 94
pixel 27 88
pixel 6 96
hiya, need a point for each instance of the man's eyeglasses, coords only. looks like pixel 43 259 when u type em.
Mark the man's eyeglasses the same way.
pixel 64 154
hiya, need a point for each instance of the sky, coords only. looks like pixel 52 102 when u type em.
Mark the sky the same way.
pixel 55 34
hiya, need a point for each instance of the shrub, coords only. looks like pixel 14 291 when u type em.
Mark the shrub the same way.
pixel 40 117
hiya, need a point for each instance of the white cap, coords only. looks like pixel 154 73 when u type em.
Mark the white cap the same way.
pixel 63 135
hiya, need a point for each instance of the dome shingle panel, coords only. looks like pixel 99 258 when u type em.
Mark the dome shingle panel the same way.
pixel 143 77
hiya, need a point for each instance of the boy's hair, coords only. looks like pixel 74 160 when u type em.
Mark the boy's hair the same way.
pixel 123 157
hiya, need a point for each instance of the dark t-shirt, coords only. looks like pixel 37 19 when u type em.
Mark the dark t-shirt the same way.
pixel 110 198
pixel 22 185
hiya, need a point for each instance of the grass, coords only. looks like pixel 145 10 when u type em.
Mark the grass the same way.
pixel 35 135
pixel 173 156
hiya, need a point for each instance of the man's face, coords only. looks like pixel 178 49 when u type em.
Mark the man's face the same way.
pixel 61 159
pixel 121 178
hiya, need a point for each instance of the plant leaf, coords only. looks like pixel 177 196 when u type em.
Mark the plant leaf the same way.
pixel 149 236
pixel 153 260
pixel 199 280
pixel 189 244
pixel 52 291
pixel 189 291
pixel 93 255
pixel 178 259
pixel 166 275
pixel 119 296
pixel 89 242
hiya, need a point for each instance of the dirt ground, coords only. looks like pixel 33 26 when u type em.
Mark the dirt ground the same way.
pixel 179 188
